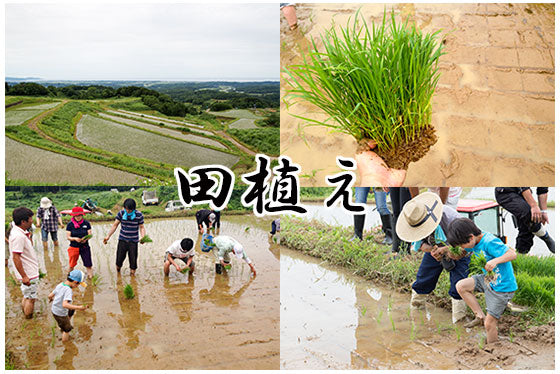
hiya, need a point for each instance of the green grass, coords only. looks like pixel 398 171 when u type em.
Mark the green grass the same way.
pixel 532 265
pixel 9 363
pixel 135 105
pixel 128 291
pixel 375 82
pixel 266 140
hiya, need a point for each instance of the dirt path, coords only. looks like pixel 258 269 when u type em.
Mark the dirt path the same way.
pixel 494 105
pixel 225 135
pixel 34 124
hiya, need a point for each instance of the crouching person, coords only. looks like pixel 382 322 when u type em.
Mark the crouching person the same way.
pixel 498 292
pixel 224 245
pixel 424 221
pixel 62 307
pixel 182 250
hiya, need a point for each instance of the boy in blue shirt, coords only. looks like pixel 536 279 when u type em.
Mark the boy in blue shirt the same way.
pixel 464 233
pixel 62 307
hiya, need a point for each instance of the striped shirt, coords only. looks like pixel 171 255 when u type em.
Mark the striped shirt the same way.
pixel 130 228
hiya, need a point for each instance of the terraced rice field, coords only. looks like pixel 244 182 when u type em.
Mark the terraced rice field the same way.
pixel 19 115
pixel 104 134
pixel 164 120
pixel 40 166
pixel 162 130
pixel 174 124
pixel 243 123
pixel 237 113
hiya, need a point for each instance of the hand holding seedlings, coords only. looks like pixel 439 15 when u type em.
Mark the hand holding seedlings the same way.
pixel 490 265
pixel 373 171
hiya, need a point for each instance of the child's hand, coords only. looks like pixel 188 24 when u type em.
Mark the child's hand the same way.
pixel 490 265
pixel 84 307
pixel 178 267
pixel 105 240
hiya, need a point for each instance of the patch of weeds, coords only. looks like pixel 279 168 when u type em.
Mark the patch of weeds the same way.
pixel 9 361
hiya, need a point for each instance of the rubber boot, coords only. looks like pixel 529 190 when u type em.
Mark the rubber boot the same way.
pixel 387 229
pixel 359 221
pixel 547 239
pixel 458 310
pixel 418 301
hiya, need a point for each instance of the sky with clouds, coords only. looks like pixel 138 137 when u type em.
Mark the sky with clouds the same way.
pixel 143 42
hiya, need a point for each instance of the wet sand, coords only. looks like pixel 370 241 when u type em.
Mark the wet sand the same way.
pixel 493 109
pixel 201 321
pixel 332 319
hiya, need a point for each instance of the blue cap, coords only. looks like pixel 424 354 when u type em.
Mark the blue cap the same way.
pixel 77 276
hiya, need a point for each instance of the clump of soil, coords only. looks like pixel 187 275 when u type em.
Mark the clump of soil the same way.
pixel 541 334
pixel 404 154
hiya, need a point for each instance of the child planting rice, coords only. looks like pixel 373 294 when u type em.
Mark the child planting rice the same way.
pixel 182 250
pixel 78 232
pixel 132 225
pixel 377 84
pixel 62 307
pixel 464 233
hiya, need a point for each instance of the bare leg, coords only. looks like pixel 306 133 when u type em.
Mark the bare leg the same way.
pixel 491 325
pixel 166 268
pixel 290 15
pixel 65 336
pixel 28 306
pixel 465 288
pixel 46 246
pixel 55 243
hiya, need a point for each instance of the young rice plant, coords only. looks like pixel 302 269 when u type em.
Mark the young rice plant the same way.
pixel 376 83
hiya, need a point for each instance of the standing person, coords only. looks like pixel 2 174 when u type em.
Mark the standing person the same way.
pixel 182 250
pixel 224 245
pixel 132 223
pixel 48 218
pixel 531 216
pixel 425 221
pixel 24 258
pixel 361 194
pixel 76 229
pixel 205 217
pixel 216 224
pixel 399 197
pixel 448 195
pixel 464 233
pixel 62 307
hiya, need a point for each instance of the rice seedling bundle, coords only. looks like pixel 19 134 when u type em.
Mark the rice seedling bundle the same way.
pixel 128 291
pixel 146 239
pixel 477 264
pixel 375 83
pixel 456 251
pixel 186 270
pixel 87 237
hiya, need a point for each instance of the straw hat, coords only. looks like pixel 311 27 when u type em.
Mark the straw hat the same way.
pixel 419 217
pixel 46 203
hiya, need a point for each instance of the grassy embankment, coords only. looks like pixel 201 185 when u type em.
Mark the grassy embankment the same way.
pixel 535 276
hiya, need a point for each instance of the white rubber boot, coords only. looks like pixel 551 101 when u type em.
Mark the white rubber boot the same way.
pixel 418 301
pixel 458 310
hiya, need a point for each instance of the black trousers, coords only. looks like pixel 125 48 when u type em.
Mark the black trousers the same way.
pixel 399 197
pixel 516 205
pixel 130 249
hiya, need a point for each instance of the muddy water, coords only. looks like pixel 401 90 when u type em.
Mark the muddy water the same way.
pixel 333 319
pixel 494 104
pixel 200 321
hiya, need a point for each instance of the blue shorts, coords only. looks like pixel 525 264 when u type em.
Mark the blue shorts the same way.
pixel 45 235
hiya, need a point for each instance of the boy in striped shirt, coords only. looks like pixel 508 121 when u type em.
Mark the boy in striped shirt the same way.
pixel 132 223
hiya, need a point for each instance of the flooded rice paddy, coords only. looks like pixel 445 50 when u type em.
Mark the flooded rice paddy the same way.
pixel 41 166
pixel 163 130
pixel 243 123
pixel 104 134
pixel 332 319
pixel 160 119
pixel 197 321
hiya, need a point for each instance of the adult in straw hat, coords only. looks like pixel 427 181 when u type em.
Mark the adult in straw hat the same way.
pixel 423 222
pixel 48 218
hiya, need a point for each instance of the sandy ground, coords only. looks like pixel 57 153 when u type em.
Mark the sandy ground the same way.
pixel 493 109
pixel 332 319
pixel 201 321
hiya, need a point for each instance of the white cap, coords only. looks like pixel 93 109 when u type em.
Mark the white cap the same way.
pixel 238 250
pixel 212 217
